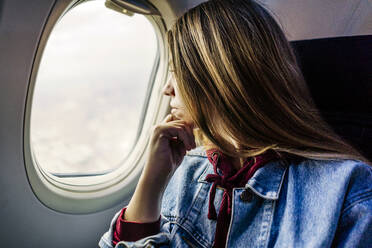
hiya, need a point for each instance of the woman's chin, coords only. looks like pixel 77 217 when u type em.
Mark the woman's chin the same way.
pixel 179 116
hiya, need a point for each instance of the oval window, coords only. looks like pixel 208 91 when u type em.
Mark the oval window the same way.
pixel 91 90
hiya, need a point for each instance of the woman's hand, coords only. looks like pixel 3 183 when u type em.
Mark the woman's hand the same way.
pixel 168 145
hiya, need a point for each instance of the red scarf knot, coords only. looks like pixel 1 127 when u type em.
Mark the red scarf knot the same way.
pixel 226 177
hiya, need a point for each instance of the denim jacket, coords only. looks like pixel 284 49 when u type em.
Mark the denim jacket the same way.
pixel 314 203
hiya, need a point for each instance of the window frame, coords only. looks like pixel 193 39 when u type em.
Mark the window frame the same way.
pixel 92 193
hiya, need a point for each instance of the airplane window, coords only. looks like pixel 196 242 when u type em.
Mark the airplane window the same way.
pixel 91 89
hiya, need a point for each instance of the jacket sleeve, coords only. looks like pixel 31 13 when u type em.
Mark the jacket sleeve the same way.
pixel 133 231
pixel 355 226
pixel 160 239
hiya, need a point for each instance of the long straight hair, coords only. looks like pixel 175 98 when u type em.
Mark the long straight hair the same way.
pixel 239 78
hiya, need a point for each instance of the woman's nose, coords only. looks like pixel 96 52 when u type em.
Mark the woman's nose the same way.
pixel 168 88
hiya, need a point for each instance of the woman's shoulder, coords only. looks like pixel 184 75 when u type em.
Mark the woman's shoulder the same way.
pixel 346 178
pixel 341 168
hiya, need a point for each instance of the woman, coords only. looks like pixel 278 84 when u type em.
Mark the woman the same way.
pixel 270 172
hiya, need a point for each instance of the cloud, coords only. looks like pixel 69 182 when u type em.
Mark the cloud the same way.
pixel 90 88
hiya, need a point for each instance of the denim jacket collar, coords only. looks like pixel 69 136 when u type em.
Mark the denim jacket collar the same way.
pixel 266 182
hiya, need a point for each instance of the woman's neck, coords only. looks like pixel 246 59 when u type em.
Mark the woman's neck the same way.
pixel 237 163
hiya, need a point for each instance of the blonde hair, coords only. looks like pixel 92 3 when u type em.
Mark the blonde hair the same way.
pixel 239 78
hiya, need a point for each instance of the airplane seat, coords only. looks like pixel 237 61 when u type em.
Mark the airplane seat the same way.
pixel 338 72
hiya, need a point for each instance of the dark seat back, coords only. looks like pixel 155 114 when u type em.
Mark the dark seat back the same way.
pixel 339 74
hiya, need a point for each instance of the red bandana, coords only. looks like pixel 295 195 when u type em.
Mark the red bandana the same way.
pixel 226 177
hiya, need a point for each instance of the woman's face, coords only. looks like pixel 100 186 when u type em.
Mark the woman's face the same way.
pixel 178 109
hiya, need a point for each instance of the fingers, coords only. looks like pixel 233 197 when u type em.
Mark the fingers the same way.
pixel 180 132
pixel 178 129
pixel 168 118
pixel 184 137
pixel 187 136
pixel 175 134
